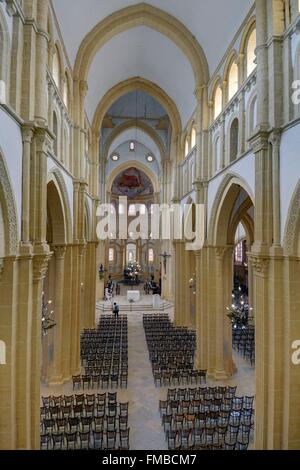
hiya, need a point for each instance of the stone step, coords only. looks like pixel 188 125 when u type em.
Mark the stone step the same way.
pixel 134 307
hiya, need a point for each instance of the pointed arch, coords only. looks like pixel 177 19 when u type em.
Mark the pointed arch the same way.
pixel 8 206
pixel 223 205
pixel 140 84
pixel 56 176
pixel 138 125
pixel 291 241
pixel 135 164
pixel 137 15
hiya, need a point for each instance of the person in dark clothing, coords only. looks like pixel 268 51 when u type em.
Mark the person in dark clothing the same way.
pixel 116 310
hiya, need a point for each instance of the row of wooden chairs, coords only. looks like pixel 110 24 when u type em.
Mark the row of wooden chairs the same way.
pixel 104 355
pixel 94 440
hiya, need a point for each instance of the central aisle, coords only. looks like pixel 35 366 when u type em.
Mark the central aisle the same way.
pixel 145 423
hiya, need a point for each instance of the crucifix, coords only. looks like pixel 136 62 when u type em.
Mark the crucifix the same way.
pixel 165 256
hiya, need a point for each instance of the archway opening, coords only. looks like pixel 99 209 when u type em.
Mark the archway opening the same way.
pixel 232 233
pixel 52 298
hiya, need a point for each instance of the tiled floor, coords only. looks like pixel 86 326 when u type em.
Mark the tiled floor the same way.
pixel 146 432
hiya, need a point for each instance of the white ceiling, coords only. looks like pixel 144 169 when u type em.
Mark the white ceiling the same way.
pixel 135 53
pixel 126 156
pixel 137 104
pixel 146 53
pixel 138 136
pixel 212 22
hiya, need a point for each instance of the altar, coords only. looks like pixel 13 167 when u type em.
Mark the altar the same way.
pixel 133 295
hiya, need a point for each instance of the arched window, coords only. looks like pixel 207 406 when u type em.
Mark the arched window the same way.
pixel 217 152
pixel 55 132
pixel 186 148
pixel 252 116
pixel 250 53
pixel 111 255
pixel 56 68
pixel 234 139
pixel 193 137
pixel 150 255
pixel 218 101
pixel 233 80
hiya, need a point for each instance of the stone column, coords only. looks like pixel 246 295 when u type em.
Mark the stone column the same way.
pixel 38 184
pixel 27 135
pixel 58 332
pixel 220 372
pixel 201 309
pixel 40 264
pixel 260 270
pixel 223 143
pixel 9 439
pixel 19 53
pixel 276 139
pixel 179 303
pixel 242 125
pixel 67 315
pixel 41 63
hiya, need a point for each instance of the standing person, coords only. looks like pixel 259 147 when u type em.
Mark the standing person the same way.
pixel 116 310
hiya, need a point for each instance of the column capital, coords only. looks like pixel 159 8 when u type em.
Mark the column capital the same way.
pixel 260 141
pixel 82 248
pixel 199 92
pixel 260 265
pixel 40 266
pixel 59 251
pixel 43 140
pixel 222 251
pixel 83 86
pixel 27 133
pixel 275 137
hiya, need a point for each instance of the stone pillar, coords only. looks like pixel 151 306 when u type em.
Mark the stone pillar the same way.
pixel 179 303
pixel 8 314
pixel 38 185
pixel 58 331
pixel 41 113
pixel 27 135
pixel 221 274
pixel 40 264
pixel 275 140
pixel 242 125
pixel 201 308
pixel 19 53
pixel 67 315
pixel 260 267
pixel 75 321
pixel 262 63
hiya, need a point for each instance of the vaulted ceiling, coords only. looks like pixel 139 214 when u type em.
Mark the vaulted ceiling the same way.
pixel 212 22
pixel 141 51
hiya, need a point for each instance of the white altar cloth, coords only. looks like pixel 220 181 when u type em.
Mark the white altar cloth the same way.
pixel 133 295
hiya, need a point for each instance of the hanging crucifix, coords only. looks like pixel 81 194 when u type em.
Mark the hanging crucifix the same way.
pixel 165 256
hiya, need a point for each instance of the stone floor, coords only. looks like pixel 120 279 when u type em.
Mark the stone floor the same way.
pixel 146 431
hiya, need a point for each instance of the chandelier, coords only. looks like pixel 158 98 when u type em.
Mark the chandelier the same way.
pixel 133 268
pixel 48 321
pixel 239 312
